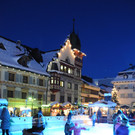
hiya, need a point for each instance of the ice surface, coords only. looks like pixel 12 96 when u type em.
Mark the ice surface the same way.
pixel 99 129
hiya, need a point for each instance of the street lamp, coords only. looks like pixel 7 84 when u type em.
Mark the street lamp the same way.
pixel 32 100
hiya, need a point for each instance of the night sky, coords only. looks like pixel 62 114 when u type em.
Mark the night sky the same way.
pixel 106 29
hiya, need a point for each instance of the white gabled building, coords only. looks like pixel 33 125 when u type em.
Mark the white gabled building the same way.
pixel 125 86
pixel 23 79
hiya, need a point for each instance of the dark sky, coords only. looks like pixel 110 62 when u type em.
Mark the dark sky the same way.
pixel 106 29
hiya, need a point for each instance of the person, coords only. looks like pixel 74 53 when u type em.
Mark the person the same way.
pixel 62 113
pixel 123 128
pixel 5 124
pixel 94 117
pixel 68 126
pixel 58 114
pixel 77 129
pixel 114 121
pixel 40 111
pixel 38 124
pixel 69 115
pixel 121 121
pixel 99 114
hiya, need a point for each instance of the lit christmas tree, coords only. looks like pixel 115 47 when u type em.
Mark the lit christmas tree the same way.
pixel 115 95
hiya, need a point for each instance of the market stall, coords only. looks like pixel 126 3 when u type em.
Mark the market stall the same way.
pixel 106 107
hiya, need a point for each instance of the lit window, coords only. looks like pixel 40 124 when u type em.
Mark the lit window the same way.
pixel 61 67
pixel 65 69
pixel 61 83
pixel 69 70
pixel 51 80
pixel 54 81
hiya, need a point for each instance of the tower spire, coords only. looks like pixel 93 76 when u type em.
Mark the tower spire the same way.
pixel 73 24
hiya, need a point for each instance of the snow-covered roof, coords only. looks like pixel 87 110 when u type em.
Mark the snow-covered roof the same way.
pixel 12 54
pixel 91 84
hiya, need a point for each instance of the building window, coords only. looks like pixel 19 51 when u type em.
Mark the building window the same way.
pixel 51 80
pixel 69 85
pixel 122 95
pixel 40 82
pixel 61 67
pixel 61 83
pixel 25 79
pixel 130 95
pixel 24 95
pixel 133 76
pixel 78 72
pixel 69 99
pixel 76 100
pixel 52 97
pixel 76 87
pixel 10 94
pixel 34 80
pixel 69 70
pixel 11 77
pixel 61 99
pixel 39 96
pixel 65 69
pixel 125 76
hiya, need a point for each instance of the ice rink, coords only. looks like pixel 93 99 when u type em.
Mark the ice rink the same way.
pixel 99 129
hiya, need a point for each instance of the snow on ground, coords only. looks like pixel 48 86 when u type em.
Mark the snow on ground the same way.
pixel 99 129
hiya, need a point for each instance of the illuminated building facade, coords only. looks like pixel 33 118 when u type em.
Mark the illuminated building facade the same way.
pixel 89 91
pixel 23 82
pixel 124 83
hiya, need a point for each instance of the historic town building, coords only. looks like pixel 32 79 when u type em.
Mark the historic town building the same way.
pixel 30 78
pixel 23 78
pixel 125 86
pixel 89 91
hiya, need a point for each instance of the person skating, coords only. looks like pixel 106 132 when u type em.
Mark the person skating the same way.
pixel 94 117
pixel 121 124
pixel 123 128
pixel 5 124
pixel 68 126
pixel 38 125
pixel 99 115
pixel 77 129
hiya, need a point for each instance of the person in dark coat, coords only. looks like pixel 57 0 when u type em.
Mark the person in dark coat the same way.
pixel 99 114
pixel 5 124
pixel 69 115
pixel 114 121
pixel 123 129
pixel 121 124
pixel 68 126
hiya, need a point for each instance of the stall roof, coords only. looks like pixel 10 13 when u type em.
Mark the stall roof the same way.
pixel 65 103
pixel 103 103
pixel 53 103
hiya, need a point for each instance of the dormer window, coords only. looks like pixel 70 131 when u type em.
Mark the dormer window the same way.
pixel 67 60
pixel 2 46
pixel 133 75
pixel 54 66
pixel 125 76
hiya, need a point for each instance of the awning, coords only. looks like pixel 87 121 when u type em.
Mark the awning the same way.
pixel 65 103
pixel 53 103
pixel 103 103
pixel 125 106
